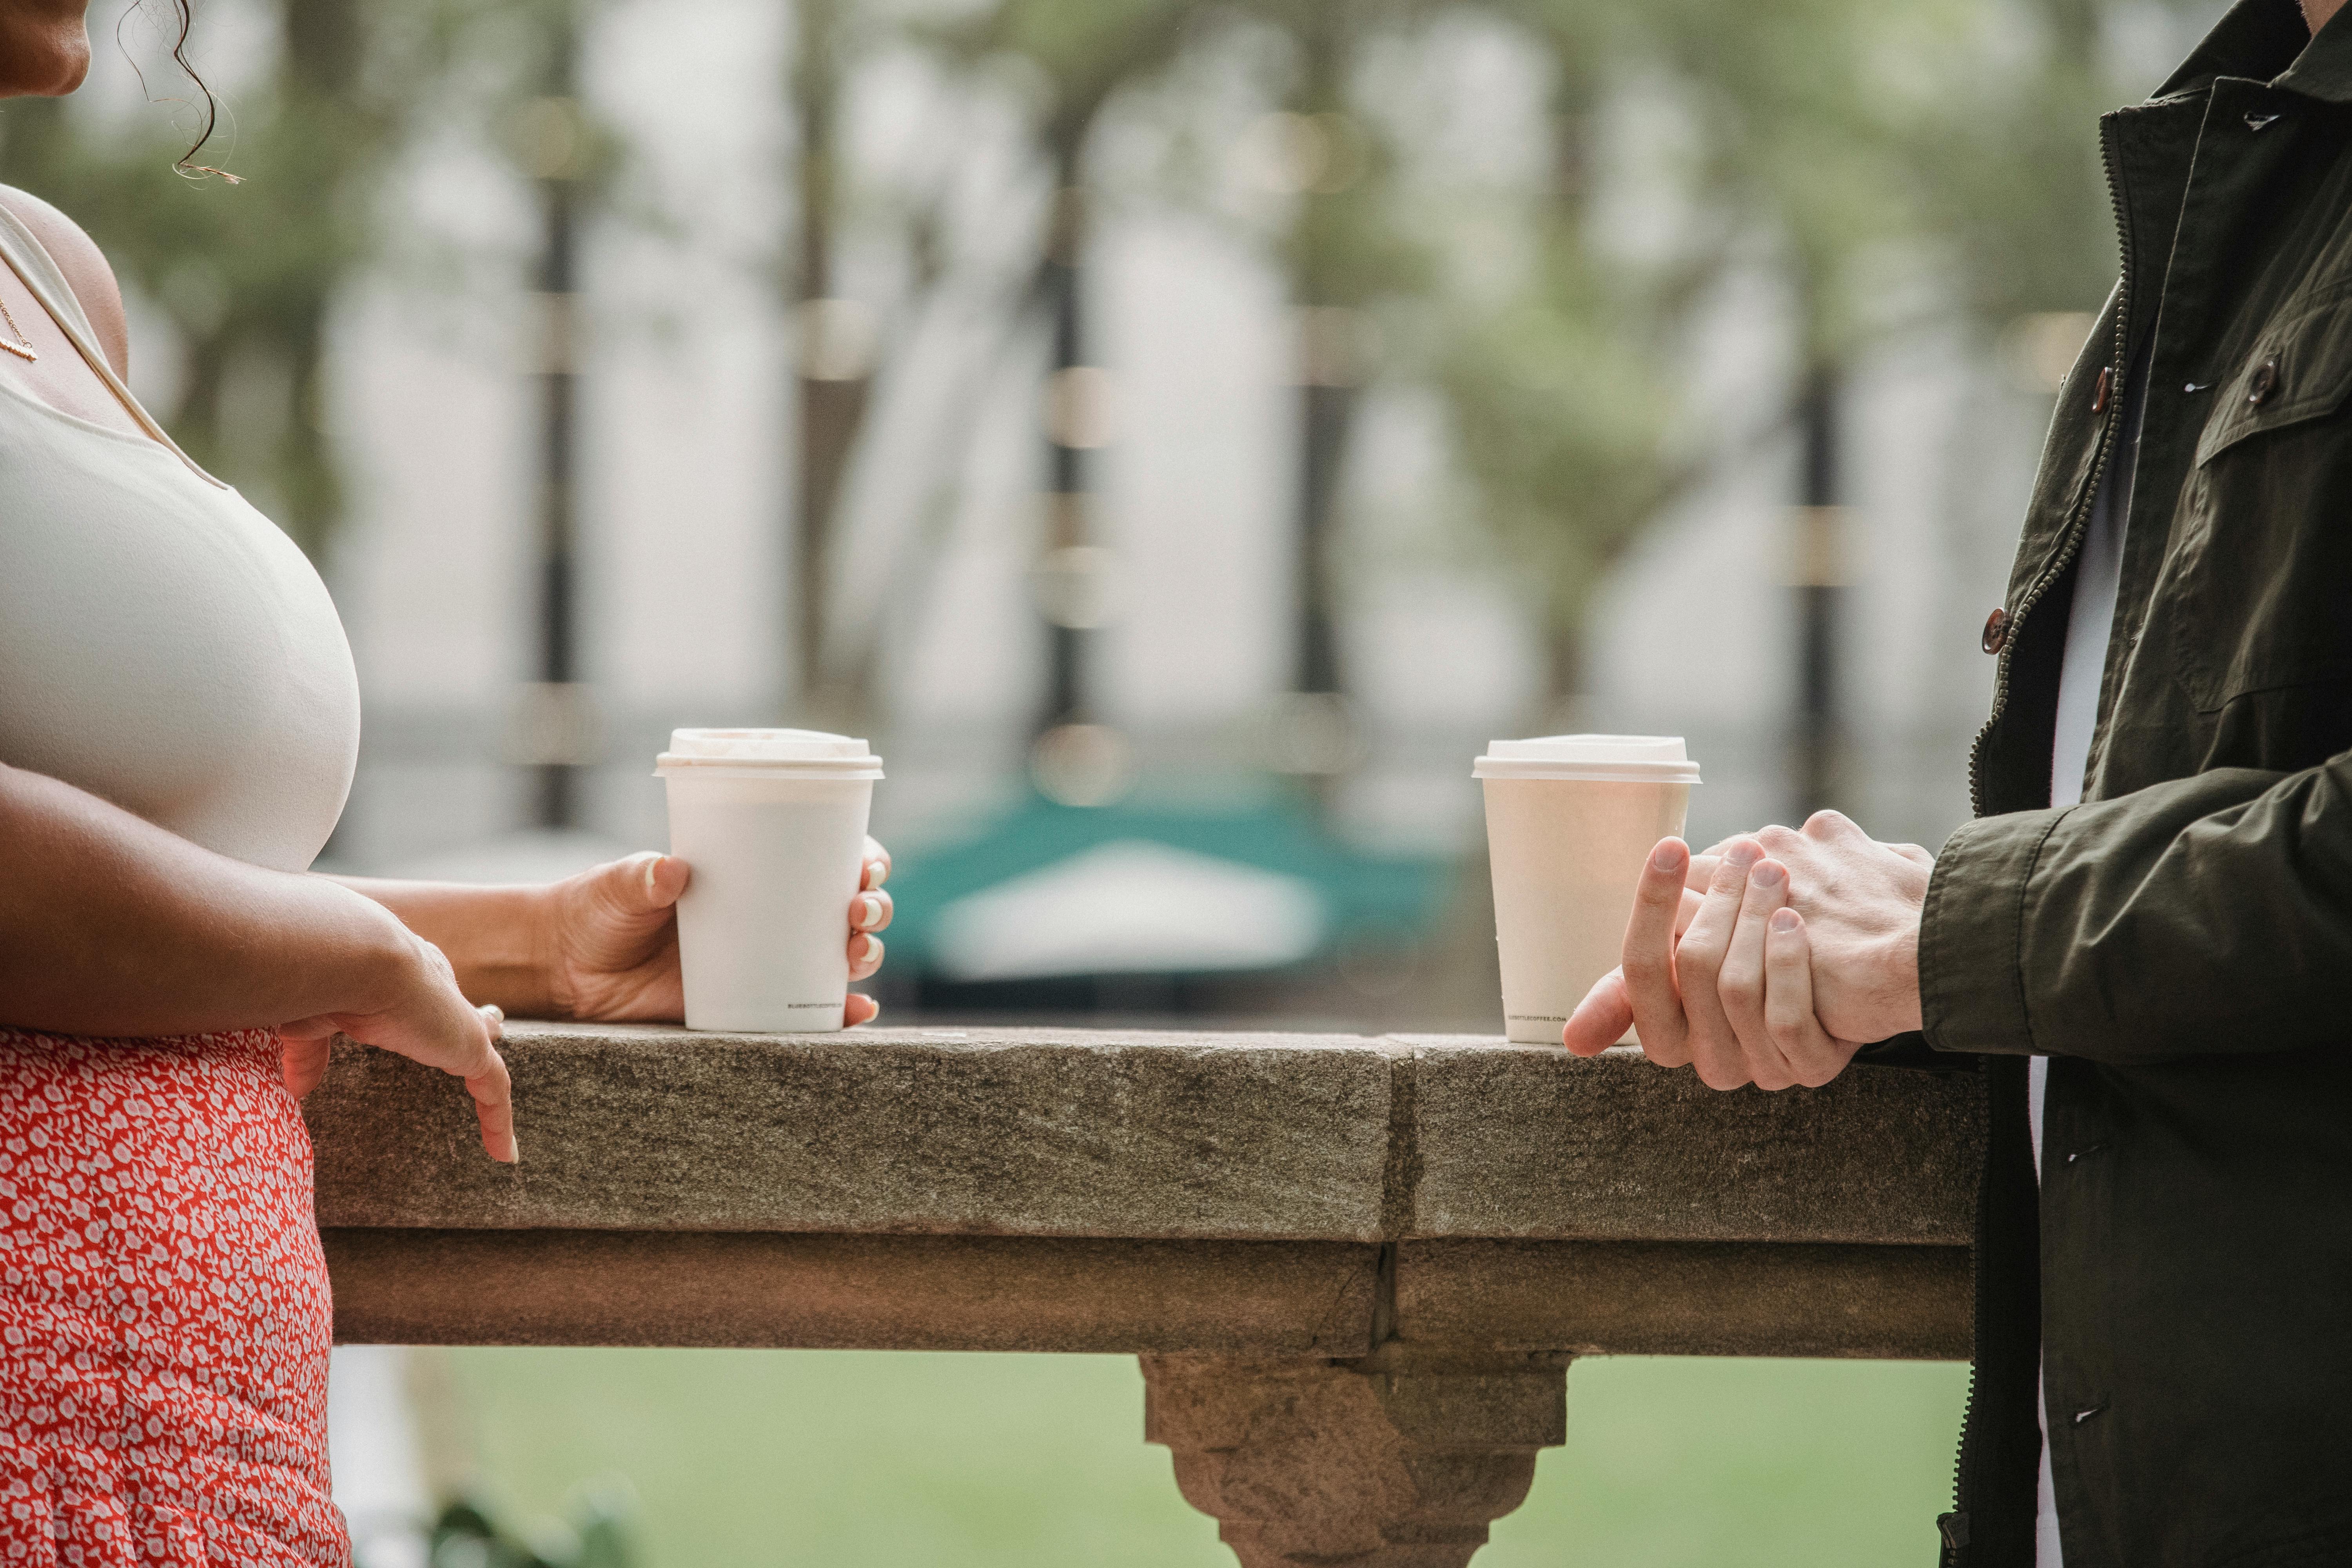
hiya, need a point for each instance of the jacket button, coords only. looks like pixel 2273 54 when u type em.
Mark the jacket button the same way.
pixel 1996 631
pixel 2102 388
pixel 2265 381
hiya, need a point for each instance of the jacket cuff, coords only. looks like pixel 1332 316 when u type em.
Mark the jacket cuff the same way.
pixel 1971 935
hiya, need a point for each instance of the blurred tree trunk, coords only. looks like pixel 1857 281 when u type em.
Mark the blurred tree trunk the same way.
pixel 834 353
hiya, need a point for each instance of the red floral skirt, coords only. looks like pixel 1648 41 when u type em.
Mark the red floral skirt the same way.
pixel 164 1314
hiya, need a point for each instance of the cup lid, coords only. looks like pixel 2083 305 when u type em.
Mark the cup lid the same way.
pixel 1620 759
pixel 805 751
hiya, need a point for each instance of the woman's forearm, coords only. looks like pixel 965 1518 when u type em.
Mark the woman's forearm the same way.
pixel 494 937
pixel 110 925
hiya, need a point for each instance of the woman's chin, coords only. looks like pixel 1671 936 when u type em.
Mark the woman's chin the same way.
pixel 51 64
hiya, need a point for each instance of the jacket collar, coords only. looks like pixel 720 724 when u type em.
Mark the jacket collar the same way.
pixel 2266 40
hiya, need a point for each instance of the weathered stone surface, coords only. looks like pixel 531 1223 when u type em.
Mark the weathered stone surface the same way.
pixel 862 1292
pixel 1525 1140
pixel 1033 1132
pixel 1399 1460
pixel 1684 1298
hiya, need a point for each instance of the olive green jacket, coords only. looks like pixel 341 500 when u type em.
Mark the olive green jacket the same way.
pixel 2179 944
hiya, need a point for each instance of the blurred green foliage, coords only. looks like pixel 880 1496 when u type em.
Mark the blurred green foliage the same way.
pixel 880 1460
pixel 1891 164
pixel 466 1535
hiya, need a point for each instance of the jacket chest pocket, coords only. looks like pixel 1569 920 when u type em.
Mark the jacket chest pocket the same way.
pixel 2262 573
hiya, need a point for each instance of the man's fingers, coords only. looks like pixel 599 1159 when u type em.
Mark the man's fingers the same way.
pixel 1600 1020
pixel 1739 985
pixel 1648 959
pixel 1813 1057
pixel 1713 1045
pixel 1692 903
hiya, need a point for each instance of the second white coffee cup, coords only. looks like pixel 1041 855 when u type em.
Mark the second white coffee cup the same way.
pixel 1570 821
pixel 774 823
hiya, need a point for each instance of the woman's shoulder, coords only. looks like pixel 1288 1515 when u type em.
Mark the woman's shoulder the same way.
pixel 85 268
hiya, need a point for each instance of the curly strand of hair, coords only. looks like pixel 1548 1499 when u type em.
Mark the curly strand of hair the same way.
pixel 212 104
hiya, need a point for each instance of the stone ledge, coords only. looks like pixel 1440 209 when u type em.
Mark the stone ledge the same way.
pixel 1029 1133
pixel 851 1292
pixel 1330 1300
pixel 1079 1134
pixel 1642 1298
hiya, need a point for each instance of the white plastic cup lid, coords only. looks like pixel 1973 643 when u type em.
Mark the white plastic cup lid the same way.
pixel 1600 759
pixel 809 752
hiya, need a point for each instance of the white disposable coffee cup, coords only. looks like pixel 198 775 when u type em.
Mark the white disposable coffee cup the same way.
pixel 774 823
pixel 1570 821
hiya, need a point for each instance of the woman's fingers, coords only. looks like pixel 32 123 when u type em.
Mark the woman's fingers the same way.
pixel 493 1092
pixel 304 1062
pixel 1739 985
pixel 862 1009
pixel 1600 1020
pixel 864 955
pixel 1814 1057
pixel 878 866
pixel 870 911
pixel 1648 968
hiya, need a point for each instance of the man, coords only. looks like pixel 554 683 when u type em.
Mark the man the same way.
pixel 2143 940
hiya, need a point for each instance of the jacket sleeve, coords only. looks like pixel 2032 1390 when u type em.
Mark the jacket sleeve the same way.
pixel 2204 916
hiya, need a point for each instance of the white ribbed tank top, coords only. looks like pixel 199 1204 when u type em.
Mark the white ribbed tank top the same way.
pixel 162 645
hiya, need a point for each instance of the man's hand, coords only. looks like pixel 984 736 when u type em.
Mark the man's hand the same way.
pixel 1803 946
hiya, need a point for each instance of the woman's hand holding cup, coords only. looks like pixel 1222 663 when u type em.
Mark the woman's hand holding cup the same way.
pixel 611 938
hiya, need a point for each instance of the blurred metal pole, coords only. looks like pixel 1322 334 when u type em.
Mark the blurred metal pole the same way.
pixel 1819 575
pixel 557 171
pixel 1326 402
pixel 1068 527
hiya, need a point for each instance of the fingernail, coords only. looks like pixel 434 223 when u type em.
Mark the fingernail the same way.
pixel 1744 853
pixel 1785 920
pixel 873 908
pixel 1767 874
pixel 1668 856
pixel 869 948
pixel 653 863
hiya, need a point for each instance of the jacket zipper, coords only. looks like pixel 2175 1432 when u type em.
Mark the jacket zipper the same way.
pixel 2073 543
pixel 1955 1525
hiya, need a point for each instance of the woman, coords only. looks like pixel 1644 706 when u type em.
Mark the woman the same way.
pixel 179 723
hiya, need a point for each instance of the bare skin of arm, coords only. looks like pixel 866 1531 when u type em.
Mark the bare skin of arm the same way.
pixel 111 926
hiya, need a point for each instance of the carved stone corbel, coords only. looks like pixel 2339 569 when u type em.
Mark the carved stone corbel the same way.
pixel 1399 1460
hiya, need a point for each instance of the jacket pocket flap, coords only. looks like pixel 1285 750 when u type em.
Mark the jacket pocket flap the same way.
pixel 2300 368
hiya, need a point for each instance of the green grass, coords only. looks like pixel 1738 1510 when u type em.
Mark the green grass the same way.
pixel 859 1460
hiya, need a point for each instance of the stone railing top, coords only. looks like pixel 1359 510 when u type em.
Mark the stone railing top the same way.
pixel 1069 1132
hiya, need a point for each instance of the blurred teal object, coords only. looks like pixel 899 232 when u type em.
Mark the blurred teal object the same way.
pixel 1048 891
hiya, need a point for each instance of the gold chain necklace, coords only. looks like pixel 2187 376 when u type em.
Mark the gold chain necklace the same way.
pixel 23 347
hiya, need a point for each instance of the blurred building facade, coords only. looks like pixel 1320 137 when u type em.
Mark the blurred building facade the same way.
pixel 684 345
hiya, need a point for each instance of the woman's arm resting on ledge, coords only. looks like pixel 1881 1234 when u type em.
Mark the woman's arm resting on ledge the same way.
pixel 602 944
pixel 112 926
